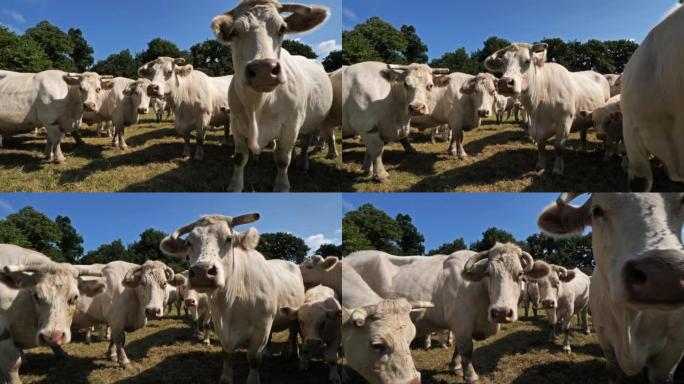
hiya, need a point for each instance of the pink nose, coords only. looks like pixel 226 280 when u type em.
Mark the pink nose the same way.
pixel 548 304
pixel 190 302
pixel 153 312
pixel 53 338
pixel 418 109
pixel 483 113
pixel 89 106
pixel 502 315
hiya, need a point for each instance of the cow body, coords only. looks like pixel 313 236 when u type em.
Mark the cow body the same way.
pixel 320 271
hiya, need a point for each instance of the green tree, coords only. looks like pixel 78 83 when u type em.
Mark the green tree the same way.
pixel 620 52
pixel 10 234
pixel 389 43
pixel 212 58
pixel 383 233
pixel 569 253
pixel 449 248
pixel 326 250
pixel 353 239
pixel 298 48
pixel 43 235
pixel 56 44
pixel 160 47
pixel 598 57
pixel 106 253
pixel 71 242
pixel 490 237
pixel 82 55
pixel 147 248
pixel 490 46
pixel 411 241
pixel 356 48
pixel 457 61
pixel 284 246
pixel 416 50
pixel 21 54
pixel 333 61
pixel 119 64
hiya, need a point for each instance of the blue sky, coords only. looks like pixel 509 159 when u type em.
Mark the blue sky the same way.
pixel 102 217
pixel 112 26
pixel 444 217
pixel 446 25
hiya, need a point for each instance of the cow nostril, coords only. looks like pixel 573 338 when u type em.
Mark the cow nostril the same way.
pixel 634 275
pixel 510 82
pixel 192 273
pixel 212 271
pixel 509 314
pixel 251 73
pixel 276 70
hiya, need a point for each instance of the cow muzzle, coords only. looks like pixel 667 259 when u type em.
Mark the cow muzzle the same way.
pixel 142 111
pixel 190 302
pixel 502 314
pixel 657 278
pixel 508 86
pixel 415 380
pixel 483 113
pixel 203 275
pixel 52 338
pixel 89 106
pixel 548 304
pixel 264 75
pixel 418 109
pixel 154 313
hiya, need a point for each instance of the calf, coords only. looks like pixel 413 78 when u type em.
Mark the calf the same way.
pixel 531 297
pixel 198 305
pixel 607 121
pixel 173 298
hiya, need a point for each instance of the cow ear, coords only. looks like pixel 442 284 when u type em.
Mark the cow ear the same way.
pixel 392 75
pixel 567 276
pixel 248 240
pixel 245 219
pixel 223 27
pixel 587 115
pixel 174 246
pixel 494 64
pixel 334 314
pixel 307 19
pixel 18 280
pixel 538 52
pixel 441 81
pixel 107 84
pixel 564 219
pixel 616 116
pixel 177 280
pixel 133 277
pixel 72 78
pixel 329 262
pixel 477 272
pixel 290 313
pixel 129 90
pixel 468 87
pixel 184 70
pixel 91 287
pixel 145 71
pixel 539 270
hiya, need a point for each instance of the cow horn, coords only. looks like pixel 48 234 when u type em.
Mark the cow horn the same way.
pixel 169 273
pixel 25 268
pixel 561 271
pixel 400 67
pixel 295 8
pixel 106 77
pixel 86 270
pixel 440 71
pixel 421 305
pixel 358 317
pixel 474 259
pixel 528 261
pixel 566 198
pixel 183 230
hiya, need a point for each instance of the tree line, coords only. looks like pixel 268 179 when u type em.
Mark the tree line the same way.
pixel 369 228
pixel 45 46
pixel 378 40
pixel 61 242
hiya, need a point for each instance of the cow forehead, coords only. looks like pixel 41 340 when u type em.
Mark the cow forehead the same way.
pixel 418 73
pixel 56 283
pixel 649 205
pixel 255 14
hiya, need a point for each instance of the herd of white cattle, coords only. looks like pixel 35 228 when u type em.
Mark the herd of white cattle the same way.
pixel 275 96
pixel 639 110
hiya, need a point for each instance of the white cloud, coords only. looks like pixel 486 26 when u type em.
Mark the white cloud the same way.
pixel 6 207
pixel 324 48
pixel 315 241
pixel 16 16
pixel 349 14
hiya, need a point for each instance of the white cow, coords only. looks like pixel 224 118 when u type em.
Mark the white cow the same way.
pixel 503 105
pixel 52 99
pixel 161 106
pixel 472 292
pixel 551 94
pixel 198 101
pixel 651 104
pixel 637 296
pixel 320 321
pixel 134 293
pixel 564 293
pixel 199 307
pixel 37 302
pixel 275 95
pixel 246 291
pixel 121 105
pixel 531 298
pixel 615 82
pixel 607 121
pixel 461 104
pixel 379 101
pixel 320 271
pixel 173 299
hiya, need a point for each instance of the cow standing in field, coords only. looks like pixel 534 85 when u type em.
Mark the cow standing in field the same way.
pixel 379 101
pixel 472 292
pixel 461 104
pixel 173 299
pixel 161 106
pixel 52 99
pixel 246 291
pixel 38 299
pixel 552 95
pixel 121 105
pixel 200 310
pixel 607 120
pixel 503 105
pixel 198 101
pixel 564 293
pixel 531 298
pixel 275 95
pixel 651 104
pixel 134 293
pixel 637 295
pixel 323 271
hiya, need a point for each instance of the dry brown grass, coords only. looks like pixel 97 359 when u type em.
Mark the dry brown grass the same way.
pixel 151 164
pixel 502 159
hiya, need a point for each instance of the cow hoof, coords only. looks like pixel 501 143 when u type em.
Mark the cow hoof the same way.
pixel 381 179
pixel 587 332
pixel 206 342
pixel 567 349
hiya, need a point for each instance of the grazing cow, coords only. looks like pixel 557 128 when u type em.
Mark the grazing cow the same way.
pixel 197 100
pixel 320 319
pixel 52 99
pixel 121 105
pixel 377 333
pixel 651 104
pixel 503 104
pixel 275 95
pixel 615 82
pixel 531 297
pixel 173 298
pixel 564 293
pixel 607 121
pixel 378 102
pixel 200 311
pixel 551 94
pixel 38 299
pixel 320 271
pixel 161 106
pixel 637 295
pixel 461 103
pixel 134 293
pixel 472 292
pixel 246 291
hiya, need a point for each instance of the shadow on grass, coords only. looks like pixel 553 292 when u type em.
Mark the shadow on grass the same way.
pixel 66 370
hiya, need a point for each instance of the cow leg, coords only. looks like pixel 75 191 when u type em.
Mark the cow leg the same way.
pixel 332 148
pixel 552 316
pixel 427 341
pixel 292 347
pixel 201 136
pixel 89 335
pixel 255 358
pixel 237 182
pixel 640 172
pixel 10 361
pixel 206 340
pixel 408 148
pixel 567 321
pixel 374 148
pixel 456 142
pixel 455 365
pixel 53 150
pixel 583 139
pixel 77 137
pixel 562 132
pixel 541 155
pixel 465 348
pixel 330 357
pixel 119 137
pixel 227 370
pixel 186 145
pixel 119 339
pixel 585 321
pixel 282 155
pixel 303 159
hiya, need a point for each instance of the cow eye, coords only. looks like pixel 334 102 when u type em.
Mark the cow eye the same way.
pixel 73 300
pixel 282 30
pixel 98 90
pixel 528 61
pixel 378 346
pixel 36 297
pixel 169 73
pixel 163 285
pixel 597 212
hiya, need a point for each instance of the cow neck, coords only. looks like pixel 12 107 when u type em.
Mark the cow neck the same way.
pixel 238 278
pixel 397 97
pixel 74 97
pixel 536 91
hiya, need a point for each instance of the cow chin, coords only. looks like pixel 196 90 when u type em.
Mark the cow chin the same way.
pixel 264 87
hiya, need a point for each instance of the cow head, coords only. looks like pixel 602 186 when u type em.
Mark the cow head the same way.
pixel 319 323
pixel 517 63
pixel 164 74
pixel 189 296
pixel 255 30
pixel 149 282
pixel 482 91
pixel 636 239
pixel 607 121
pixel 551 286
pixel 315 269
pixel 210 241
pixel 417 81
pixel 54 291
pixel 502 270
pixel 376 341
pixel 140 99
pixel 90 85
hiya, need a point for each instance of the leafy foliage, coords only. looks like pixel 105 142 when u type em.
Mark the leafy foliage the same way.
pixel 212 58
pixel 333 61
pixel 106 253
pixel 71 242
pixel 298 48
pixel 570 253
pixel 21 54
pixel 457 61
pixel 284 246
pixel 57 45
pixel 449 248
pixel 119 64
pixel 82 55
pixel 411 241
pixel 490 237
pixel 160 47
pixel 326 250
pixel 416 50
pixel 38 231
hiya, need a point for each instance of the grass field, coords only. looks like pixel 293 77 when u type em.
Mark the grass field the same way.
pixel 151 164
pixel 502 159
